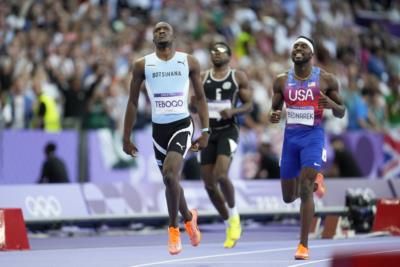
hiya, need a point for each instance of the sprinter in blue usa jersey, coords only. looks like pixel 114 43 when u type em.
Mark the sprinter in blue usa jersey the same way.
pixel 167 74
pixel 307 91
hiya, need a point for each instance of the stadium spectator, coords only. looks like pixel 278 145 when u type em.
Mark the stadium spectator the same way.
pixel 53 169
pixel 268 167
pixel 46 114
pixel 344 164
pixel 18 109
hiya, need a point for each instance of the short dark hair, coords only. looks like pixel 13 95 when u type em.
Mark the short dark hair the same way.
pixel 228 49
pixel 50 147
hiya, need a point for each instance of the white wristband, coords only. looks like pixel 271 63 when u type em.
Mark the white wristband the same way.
pixel 205 130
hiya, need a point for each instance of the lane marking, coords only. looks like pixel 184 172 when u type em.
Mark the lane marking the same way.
pixel 310 262
pixel 358 254
pixel 260 251
pixel 201 263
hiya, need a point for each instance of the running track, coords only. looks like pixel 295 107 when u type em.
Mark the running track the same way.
pixel 260 246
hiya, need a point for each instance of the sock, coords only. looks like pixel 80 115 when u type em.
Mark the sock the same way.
pixel 233 212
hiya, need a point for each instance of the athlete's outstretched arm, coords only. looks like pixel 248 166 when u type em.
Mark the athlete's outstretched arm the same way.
pixel 245 95
pixel 277 98
pixel 330 97
pixel 131 107
pixel 201 104
pixel 193 103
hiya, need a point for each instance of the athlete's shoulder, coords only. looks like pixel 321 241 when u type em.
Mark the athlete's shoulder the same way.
pixel 190 57
pixel 238 72
pixel 280 81
pixel 239 75
pixel 282 76
pixel 322 71
pixel 139 63
pixel 193 62
pixel 139 60
pixel 327 75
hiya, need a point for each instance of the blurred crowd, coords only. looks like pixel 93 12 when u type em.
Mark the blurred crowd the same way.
pixel 66 64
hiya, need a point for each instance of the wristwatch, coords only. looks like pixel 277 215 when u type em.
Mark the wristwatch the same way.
pixel 206 130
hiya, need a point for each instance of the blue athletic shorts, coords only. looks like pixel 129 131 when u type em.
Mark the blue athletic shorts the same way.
pixel 302 147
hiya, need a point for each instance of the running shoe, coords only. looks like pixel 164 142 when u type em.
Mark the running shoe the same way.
pixel 193 230
pixel 174 241
pixel 233 232
pixel 321 189
pixel 301 253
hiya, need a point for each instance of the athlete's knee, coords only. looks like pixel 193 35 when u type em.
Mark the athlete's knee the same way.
pixel 211 187
pixel 223 179
pixel 220 173
pixel 306 190
pixel 169 178
pixel 289 198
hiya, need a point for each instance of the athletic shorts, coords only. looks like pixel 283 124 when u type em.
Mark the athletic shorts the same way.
pixel 175 136
pixel 302 147
pixel 221 142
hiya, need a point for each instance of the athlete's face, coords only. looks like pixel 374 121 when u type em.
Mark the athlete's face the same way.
pixel 301 53
pixel 219 55
pixel 163 35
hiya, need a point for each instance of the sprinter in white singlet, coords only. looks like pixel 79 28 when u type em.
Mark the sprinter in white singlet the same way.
pixel 167 74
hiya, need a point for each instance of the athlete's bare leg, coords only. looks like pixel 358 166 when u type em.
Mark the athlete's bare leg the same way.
pixel 173 191
pixel 290 189
pixel 307 178
pixel 213 190
pixel 221 172
pixel 302 187
pixel 183 208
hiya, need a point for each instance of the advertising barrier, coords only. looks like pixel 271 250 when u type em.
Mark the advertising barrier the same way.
pixel 74 202
pixel 44 201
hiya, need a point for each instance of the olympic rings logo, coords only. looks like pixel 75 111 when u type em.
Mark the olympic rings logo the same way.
pixel 42 206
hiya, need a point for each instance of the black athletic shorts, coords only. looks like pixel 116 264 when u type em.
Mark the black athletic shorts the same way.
pixel 175 136
pixel 221 142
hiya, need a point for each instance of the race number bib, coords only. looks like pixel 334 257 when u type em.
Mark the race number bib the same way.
pixel 303 115
pixel 169 103
pixel 215 107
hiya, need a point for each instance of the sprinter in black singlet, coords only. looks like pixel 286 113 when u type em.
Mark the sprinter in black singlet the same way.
pixel 223 87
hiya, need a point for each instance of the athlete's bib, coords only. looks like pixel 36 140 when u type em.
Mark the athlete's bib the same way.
pixel 169 103
pixel 303 115
pixel 216 106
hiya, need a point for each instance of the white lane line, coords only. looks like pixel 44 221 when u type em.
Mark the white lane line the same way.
pixel 231 263
pixel 358 254
pixel 310 262
pixel 260 251
pixel 212 256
